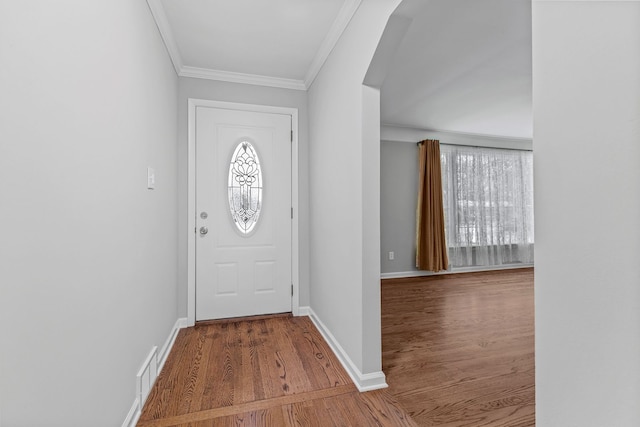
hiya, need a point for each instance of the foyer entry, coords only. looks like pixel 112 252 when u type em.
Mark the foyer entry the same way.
pixel 243 211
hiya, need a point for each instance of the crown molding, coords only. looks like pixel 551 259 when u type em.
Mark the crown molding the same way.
pixel 348 9
pixel 395 133
pixel 157 11
pixel 233 77
pixel 345 14
pixel 390 127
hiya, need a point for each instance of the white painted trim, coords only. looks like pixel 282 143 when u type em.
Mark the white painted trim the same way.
pixel 191 213
pixel 168 344
pixel 147 375
pixel 157 11
pixel 348 9
pixel 152 365
pixel 393 133
pixel 304 311
pixel 418 273
pixel 191 197
pixel 343 18
pixel 233 77
pixel 364 382
pixel 391 128
pixel 414 273
pixel 133 416
pixel 295 223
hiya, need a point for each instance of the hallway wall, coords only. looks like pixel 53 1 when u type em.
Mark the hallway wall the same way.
pixel 586 92
pixel 88 268
pixel 344 191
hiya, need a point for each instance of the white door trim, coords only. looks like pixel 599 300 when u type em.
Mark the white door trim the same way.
pixel 191 197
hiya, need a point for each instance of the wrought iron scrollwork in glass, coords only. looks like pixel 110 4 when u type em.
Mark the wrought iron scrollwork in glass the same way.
pixel 245 187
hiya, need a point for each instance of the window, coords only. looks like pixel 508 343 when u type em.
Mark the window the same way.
pixel 245 187
pixel 488 205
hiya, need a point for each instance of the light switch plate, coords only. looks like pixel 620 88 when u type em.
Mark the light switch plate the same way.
pixel 151 178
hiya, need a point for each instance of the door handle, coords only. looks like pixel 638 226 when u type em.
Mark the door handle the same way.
pixel 203 231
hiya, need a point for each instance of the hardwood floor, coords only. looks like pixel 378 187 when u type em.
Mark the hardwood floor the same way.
pixel 271 371
pixel 458 350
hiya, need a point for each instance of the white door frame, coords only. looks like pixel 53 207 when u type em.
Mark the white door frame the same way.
pixel 191 197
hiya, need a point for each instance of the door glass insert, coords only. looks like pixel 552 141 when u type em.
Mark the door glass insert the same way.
pixel 245 187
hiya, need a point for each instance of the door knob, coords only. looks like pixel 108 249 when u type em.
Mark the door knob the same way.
pixel 203 231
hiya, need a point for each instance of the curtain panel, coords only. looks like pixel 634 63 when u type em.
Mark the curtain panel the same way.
pixel 431 248
pixel 488 204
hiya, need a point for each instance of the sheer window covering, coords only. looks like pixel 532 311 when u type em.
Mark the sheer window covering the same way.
pixel 488 205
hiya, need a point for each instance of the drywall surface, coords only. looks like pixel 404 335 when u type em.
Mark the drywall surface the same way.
pixel 339 189
pixel 399 188
pixel 246 94
pixel 371 313
pixel 398 198
pixel 88 260
pixel 586 92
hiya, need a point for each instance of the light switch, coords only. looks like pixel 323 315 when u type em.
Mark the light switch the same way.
pixel 151 178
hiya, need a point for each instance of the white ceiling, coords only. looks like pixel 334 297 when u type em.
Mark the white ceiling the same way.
pixel 279 43
pixel 455 65
pixel 462 66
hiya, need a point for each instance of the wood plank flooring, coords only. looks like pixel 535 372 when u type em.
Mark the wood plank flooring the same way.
pixel 458 350
pixel 271 371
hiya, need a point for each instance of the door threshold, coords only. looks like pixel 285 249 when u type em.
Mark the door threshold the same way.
pixel 243 319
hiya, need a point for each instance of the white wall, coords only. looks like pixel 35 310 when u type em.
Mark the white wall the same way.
pixel 341 279
pixel 247 94
pixel 586 97
pixel 370 149
pixel 88 260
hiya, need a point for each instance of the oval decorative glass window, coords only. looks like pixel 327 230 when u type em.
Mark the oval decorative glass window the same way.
pixel 245 187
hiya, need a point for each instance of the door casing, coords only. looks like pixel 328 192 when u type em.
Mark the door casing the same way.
pixel 191 197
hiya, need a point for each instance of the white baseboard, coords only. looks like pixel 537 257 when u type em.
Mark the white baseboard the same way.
pixel 419 273
pixel 166 348
pixel 413 273
pixel 304 310
pixel 149 372
pixel 134 415
pixel 364 382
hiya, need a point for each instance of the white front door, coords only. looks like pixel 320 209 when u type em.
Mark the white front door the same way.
pixel 243 213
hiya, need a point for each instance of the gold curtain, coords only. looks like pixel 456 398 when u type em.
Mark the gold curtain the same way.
pixel 431 253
